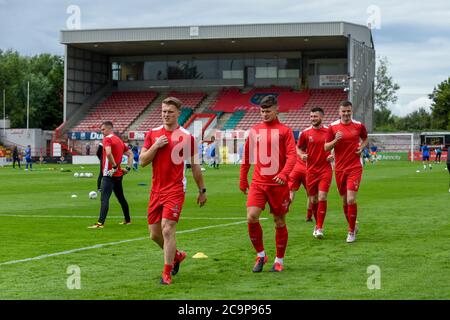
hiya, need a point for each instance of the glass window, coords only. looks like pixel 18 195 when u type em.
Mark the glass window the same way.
pixel 332 68
pixel 289 68
pixel 115 70
pixel 231 68
pixel 266 67
pixel 131 71
pixel 155 70
pixel 204 68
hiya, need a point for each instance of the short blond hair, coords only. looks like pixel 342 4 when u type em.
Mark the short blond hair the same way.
pixel 173 102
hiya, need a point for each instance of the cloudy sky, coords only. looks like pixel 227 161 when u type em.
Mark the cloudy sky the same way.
pixel 414 35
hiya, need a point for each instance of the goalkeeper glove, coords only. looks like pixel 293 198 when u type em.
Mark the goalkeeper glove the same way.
pixel 112 171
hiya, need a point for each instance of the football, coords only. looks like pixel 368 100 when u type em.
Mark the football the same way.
pixel 92 195
pixel 76 174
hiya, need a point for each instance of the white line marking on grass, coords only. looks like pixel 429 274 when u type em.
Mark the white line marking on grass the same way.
pixel 44 256
pixel 95 217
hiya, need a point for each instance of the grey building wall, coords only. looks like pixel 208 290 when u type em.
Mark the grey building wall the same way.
pixel 216 32
pixel 361 83
pixel 86 73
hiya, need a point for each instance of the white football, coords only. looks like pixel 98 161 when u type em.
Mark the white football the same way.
pixel 203 169
pixel 92 195
pixel 76 174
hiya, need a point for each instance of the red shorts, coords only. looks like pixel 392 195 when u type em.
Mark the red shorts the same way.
pixel 318 181
pixel 165 205
pixel 296 179
pixel 348 180
pixel 276 196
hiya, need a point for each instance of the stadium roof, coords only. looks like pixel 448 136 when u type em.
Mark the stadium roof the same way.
pixel 218 38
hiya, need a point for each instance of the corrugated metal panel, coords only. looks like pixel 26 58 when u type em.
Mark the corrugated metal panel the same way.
pixel 216 32
pixel 359 33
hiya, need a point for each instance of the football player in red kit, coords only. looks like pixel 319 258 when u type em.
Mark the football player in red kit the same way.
pixel 270 146
pixel 297 178
pixel 168 147
pixel 348 138
pixel 318 167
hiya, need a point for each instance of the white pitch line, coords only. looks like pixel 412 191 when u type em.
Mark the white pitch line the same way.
pixel 44 256
pixel 95 217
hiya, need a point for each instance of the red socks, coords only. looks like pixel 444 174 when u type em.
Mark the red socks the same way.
pixel 281 239
pixel 256 236
pixel 345 206
pixel 310 211
pixel 314 208
pixel 352 213
pixel 321 212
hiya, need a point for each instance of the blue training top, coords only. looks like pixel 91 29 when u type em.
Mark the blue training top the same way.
pixel 28 153
pixel 425 151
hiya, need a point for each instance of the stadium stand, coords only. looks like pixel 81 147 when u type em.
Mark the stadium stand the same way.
pixel 234 120
pixel 189 99
pixel 186 113
pixel 250 119
pixel 153 120
pixel 230 100
pixel 327 99
pixel 122 108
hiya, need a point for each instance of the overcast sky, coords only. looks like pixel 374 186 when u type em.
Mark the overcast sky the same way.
pixel 414 35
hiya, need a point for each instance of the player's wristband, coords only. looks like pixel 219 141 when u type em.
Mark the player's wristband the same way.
pixel 114 167
pixel 202 190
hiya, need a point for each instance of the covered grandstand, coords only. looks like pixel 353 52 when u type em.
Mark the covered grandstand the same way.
pixel 220 73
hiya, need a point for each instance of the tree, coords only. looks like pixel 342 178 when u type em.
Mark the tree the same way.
pixel 385 94
pixel 45 73
pixel 440 107
pixel 416 120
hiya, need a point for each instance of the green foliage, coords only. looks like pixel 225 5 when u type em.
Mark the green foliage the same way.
pixel 417 120
pixel 440 108
pixel 385 95
pixel 45 73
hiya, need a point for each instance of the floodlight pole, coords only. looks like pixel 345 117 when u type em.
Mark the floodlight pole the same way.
pixel 28 106
pixel 4 113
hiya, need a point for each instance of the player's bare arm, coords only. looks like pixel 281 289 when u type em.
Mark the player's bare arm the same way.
pixel 147 155
pixel 110 157
pixel 129 155
pixel 330 145
pixel 197 174
pixel 362 146
pixel 303 155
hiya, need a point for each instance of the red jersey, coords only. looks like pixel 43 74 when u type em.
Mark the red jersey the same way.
pixel 271 148
pixel 169 161
pixel 345 154
pixel 312 141
pixel 300 165
pixel 118 148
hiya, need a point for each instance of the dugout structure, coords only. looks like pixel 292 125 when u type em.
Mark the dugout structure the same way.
pixel 301 56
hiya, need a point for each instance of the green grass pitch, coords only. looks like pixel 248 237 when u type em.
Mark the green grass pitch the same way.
pixel 404 230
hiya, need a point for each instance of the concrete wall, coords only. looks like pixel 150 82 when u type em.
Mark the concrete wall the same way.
pixel 36 138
